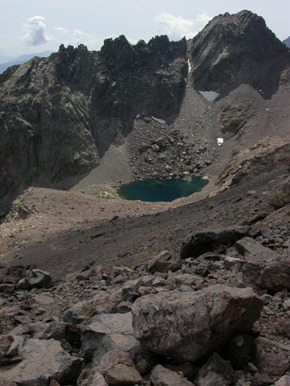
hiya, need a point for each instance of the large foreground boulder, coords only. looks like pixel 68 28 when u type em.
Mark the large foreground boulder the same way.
pixel 191 325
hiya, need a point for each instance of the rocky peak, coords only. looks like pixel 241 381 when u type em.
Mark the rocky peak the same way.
pixel 236 49
pixel 287 42
pixel 75 67
pixel 59 115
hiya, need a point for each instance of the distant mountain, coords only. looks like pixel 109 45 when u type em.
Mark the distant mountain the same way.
pixel 287 41
pixel 237 49
pixel 5 58
pixel 20 59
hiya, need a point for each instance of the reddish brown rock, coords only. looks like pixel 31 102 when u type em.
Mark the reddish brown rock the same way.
pixel 191 325
pixel 122 375
pixel 272 357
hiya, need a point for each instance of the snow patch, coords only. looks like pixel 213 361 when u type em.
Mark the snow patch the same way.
pixel 189 66
pixel 220 141
pixel 209 95
pixel 159 120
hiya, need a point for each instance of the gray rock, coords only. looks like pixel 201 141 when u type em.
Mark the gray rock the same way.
pixel 191 325
pixel 122 375
pixel 161 142
pixel 91 378
pixel 10 349
pixel 43 360
pixel 263 268
pixel 35 278
pixel 85 310
pixel 160 376
pixel 216 372
pixel 252 250
pixel 163 262
pixel 107 332
pixel 113 358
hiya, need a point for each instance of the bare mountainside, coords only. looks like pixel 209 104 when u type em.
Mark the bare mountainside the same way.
pixel 96 290
pixel 59 115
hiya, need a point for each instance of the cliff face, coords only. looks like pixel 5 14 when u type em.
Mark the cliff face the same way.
pixel 236 49
pixel 59 115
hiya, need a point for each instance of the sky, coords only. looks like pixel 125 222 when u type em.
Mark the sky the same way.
pixel 30 26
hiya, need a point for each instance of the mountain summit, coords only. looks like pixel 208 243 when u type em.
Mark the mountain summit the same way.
pixel 236 49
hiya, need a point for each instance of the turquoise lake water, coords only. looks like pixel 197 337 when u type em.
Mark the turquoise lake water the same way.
pixel 161 190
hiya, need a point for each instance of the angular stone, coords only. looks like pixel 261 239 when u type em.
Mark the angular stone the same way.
pixel 35 278
pixel 43 299
pixel 113 358
pixel 86 309
pixel 230 262
pixel 43 360
pixel 122 375
pixel 91 378
pixel 10 347
pixel 107 332
pixel 162 263
pixel 263 268
pixel 252 250
pixel 191 325
pixel 188 279
pixel 215 372
pixel 217 240
pixel 160 376
pixel 272 357
pixel 284 381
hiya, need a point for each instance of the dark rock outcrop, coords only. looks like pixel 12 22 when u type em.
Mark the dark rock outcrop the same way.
pixel 59 115
pixel 217 240
pixel 236 49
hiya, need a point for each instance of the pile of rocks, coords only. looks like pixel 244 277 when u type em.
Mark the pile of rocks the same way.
pixel 161 151
pixel 218 314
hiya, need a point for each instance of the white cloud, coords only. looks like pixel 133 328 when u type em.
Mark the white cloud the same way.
pixel 75 37
pixel 35 31
pixel 176 27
